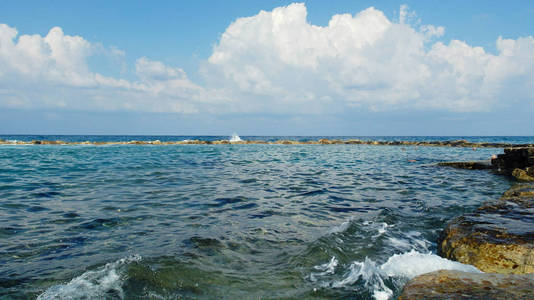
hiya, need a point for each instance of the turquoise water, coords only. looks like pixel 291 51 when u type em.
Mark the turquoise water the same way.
pixel 228 221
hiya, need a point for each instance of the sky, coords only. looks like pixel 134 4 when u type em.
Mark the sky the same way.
pixel 347 68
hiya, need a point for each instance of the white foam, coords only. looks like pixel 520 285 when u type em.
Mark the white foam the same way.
pixel 327 268
pixel 398 269
pixel 382 229
pixel 92 284
pixel 235 138
pixel 340 228
pixel 413 263
pixel 371 276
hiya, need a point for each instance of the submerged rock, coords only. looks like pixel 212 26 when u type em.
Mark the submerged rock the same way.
pixel 446 284
pixel 498 237
pixel 470 165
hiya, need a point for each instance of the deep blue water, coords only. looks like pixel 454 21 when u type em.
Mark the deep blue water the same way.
pixel 228 221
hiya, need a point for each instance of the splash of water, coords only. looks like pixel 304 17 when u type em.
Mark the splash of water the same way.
pixel 235 138
pixel 99 283
pixel 399 267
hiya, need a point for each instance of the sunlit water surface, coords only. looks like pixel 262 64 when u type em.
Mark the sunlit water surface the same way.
pixel 228 221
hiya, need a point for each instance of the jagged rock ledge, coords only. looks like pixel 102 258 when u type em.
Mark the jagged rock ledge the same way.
pixel 498 238
pixel 457 143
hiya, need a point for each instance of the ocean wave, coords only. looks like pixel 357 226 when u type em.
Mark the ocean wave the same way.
pixel 102 283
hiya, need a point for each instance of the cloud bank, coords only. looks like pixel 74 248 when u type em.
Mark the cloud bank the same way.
pixel 278 63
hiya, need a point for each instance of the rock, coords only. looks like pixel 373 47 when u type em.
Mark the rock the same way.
pixel 519 193
pixel 522 175
pixel 513 158
pixel 445 284
pixel 469 165
pixel 52 142
pixel 498 237
pixel 354 142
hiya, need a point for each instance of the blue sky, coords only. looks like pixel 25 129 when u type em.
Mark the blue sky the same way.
pixel 199 67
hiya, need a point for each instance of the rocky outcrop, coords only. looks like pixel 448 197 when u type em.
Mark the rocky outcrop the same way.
pixel 512 159
pixel 469 165
pixel 498 237
pixel 461 285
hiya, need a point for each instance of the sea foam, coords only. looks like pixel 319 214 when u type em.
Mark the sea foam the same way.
pixel 97 284
pixel 398 269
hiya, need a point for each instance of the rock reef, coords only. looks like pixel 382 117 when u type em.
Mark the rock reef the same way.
pixel 456 143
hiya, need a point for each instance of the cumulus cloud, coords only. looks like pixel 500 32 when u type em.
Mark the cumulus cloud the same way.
pixel 277 62
pixel 53 71
pixel 363 60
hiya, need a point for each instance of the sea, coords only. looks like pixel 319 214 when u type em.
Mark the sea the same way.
pixel 254 221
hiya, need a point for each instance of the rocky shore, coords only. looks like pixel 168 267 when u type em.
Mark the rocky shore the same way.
pixel 497 238
pixel 456 143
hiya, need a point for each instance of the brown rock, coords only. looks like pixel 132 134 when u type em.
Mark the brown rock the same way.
pixel 522 175
pixel 221 142
pixel 446 284
pixel 498 237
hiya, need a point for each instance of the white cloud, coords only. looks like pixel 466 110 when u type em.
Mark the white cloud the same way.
pixel 52 71
pixel 277 62
pixel 364 60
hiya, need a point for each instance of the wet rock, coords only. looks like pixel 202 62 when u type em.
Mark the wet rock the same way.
pixel 354 142
pixel 513 158
pixel 469 165
pixel 225 142
pixel 520 193
pixel 498 237
pixel 287 142
pixel 446 284
pixel 52 142
pixel 524 175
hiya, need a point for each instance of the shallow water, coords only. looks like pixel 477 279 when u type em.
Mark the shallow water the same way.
pixel 227 221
